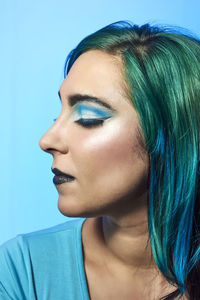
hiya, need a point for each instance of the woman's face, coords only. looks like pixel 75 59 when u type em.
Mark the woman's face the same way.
pixel 105 159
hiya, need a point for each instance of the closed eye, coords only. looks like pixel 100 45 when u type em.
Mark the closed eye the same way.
pixel 88 116
pixel 89 122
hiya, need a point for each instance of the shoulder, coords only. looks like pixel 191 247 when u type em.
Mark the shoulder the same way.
pixel 32 254
pixel 17 245
pixel 21 245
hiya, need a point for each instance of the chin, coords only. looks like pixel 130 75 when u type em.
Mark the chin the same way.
pixel 74 211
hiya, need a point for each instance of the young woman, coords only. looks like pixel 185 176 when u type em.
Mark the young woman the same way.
pixel 126 153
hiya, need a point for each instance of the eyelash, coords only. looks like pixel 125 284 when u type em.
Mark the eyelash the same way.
pixel 88 122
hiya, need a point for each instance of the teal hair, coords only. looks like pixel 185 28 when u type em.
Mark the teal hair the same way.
pixel 161 68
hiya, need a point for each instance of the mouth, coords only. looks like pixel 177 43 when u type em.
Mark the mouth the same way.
pixel 61 177
pixel 57 172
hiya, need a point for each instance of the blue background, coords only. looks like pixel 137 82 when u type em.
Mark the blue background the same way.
pixel 36 36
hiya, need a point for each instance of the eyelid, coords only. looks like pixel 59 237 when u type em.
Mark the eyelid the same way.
pixel 79 108
pixel 95 113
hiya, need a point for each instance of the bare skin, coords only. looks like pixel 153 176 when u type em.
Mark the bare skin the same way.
pixel 109 278
pixel 110 187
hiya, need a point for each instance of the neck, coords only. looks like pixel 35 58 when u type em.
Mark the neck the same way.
pixel 122 241
pixel 119 246
pixel 127 242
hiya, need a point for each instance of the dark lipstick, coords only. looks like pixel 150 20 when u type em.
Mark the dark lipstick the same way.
pixel 61 177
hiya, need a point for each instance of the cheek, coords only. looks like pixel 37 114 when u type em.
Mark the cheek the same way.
pixel 105 154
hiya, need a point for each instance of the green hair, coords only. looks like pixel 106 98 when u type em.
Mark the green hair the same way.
pixel 161 68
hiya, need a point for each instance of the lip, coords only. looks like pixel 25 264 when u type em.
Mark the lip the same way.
pixel 61 179
pixel 59 173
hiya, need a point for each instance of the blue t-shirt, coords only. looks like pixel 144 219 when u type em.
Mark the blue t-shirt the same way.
pixel 44 265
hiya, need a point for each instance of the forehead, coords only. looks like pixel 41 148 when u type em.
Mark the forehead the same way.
pixel 96 72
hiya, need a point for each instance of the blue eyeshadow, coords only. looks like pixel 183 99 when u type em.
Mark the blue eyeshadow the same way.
pixel 81 108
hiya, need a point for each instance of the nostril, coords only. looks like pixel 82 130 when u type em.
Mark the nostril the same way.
pixel 49 150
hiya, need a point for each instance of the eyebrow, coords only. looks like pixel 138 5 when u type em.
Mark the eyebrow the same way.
pixel 75 98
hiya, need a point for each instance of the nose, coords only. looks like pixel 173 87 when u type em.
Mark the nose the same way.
pixel 52 140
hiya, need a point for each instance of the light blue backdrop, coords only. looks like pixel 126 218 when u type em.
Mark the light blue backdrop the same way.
pixel 36 37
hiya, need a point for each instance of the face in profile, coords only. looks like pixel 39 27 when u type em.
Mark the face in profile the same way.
pixel 97 143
